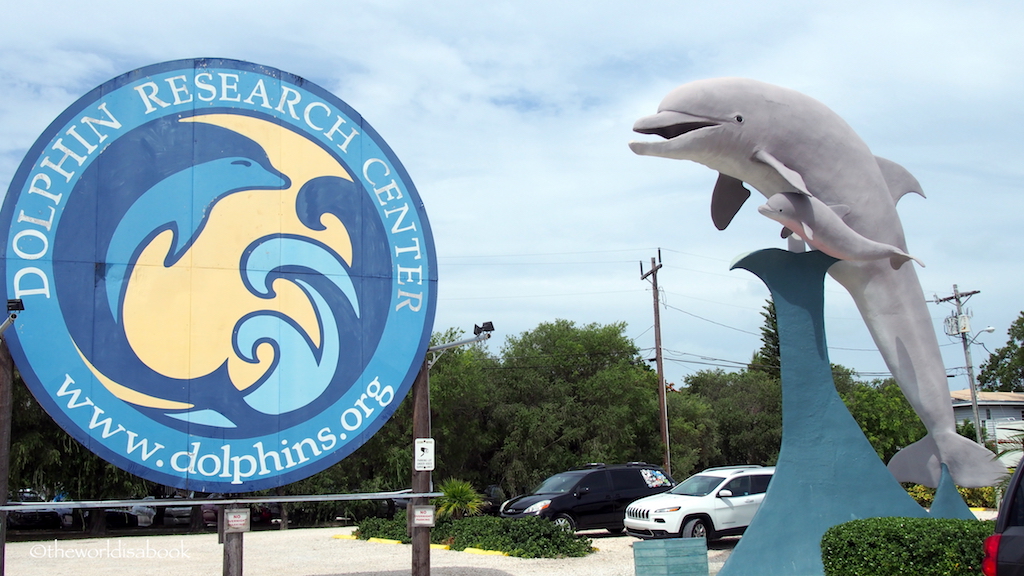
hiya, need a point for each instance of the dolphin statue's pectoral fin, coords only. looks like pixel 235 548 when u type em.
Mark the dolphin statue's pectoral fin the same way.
pixel 726 200
pixel 841 210
pixel 792 176
pixel 898 179
pixel 786 232
pixel 899 258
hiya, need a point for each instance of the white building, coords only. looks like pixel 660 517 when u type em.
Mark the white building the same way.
pixel 1001 415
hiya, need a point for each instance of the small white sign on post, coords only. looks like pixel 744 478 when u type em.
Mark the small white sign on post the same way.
pixel 423 455
pixel 423 516
pixel 236 520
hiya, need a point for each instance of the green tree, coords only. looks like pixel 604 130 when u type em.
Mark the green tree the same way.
pixel 566 395
pixel 462 382
pixel 45 458
pixel 747 408
pixel 693 436
pixel 1004 369
pixel 768 358
pixel 884 415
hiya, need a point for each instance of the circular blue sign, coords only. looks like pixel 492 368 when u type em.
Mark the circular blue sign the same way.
pixel 228 277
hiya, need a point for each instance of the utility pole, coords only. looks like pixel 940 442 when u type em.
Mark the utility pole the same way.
pixel 662 393
pixel 962 326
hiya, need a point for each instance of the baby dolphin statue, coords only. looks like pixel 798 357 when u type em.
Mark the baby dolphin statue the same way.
pixel 822 227
pixel 781 141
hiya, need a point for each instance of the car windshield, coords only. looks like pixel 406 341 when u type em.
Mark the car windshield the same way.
pixel 559 483
pixel 697 485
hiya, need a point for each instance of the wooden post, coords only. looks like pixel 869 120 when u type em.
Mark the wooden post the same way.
pixel 233 554
pixel 6 402
pixel 420 479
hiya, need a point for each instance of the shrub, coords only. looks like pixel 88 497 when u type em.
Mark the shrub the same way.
pixel 905 546
pixel 459 499
pixel 984 497
pixel 523 537
pixel 390 528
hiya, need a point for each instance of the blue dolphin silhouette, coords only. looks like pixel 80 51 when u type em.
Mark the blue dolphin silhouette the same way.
pixel 169 206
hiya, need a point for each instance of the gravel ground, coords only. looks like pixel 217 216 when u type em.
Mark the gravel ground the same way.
pixel 305 552
pixel 313 552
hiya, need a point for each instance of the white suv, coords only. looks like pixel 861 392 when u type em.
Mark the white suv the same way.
pixel 713 503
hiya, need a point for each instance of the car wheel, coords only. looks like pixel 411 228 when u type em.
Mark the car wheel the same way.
pixel 566 522
pixel 695 528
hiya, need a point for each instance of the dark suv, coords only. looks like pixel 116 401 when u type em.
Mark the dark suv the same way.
pixel 594 496
pixel 1004 550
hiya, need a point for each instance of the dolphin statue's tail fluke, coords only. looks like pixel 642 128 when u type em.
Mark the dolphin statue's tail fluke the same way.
pixel 900 258
pixel 971 464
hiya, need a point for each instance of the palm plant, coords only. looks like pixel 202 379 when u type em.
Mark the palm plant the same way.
pixel 459 499
pixel 1014 444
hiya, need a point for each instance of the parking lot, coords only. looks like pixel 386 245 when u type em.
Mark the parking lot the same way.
pixel 306 552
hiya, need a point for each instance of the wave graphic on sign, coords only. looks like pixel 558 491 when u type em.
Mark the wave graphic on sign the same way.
pixel 239 287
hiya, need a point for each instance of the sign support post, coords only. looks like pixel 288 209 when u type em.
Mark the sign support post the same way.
pixel 421 479
pixel 6 400
pixel 421 474
pixel 231 524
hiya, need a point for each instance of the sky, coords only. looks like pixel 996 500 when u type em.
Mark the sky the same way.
pixel 513 118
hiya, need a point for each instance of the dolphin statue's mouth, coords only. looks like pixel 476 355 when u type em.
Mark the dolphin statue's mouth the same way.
pixel 670 132
pixel 669 124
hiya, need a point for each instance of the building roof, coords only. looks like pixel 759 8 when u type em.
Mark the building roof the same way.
pixel 964 395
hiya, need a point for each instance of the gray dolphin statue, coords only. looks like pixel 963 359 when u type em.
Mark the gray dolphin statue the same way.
pixel 823 228
pixel 781 141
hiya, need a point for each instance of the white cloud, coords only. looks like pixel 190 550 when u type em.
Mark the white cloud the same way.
pixel 513 117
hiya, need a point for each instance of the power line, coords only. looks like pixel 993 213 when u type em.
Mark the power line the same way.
pixel 709 321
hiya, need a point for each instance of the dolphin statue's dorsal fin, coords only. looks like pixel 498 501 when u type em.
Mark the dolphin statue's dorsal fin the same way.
pixel 792 176
pixel 726 200
pixel 899 180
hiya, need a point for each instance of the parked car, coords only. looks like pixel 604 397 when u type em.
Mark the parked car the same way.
pixel 594 496
pixel 29 519
pixel 713 503
pixel 493 497
pixel 1004 550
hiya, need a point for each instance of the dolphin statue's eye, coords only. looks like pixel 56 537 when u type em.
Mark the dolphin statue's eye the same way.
pixel 739 118
pixel 242 162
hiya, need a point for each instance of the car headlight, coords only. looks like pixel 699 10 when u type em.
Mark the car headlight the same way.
pixel 537 507
pixel 671 509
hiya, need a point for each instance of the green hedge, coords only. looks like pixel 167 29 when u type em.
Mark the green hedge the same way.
pixel 905 546
pixel 523 537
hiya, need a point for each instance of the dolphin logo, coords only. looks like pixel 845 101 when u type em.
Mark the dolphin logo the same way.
pixel 822 227
pixel 168 205
pixel 781 141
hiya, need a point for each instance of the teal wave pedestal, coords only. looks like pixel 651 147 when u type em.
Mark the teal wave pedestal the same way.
pixel 827 472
